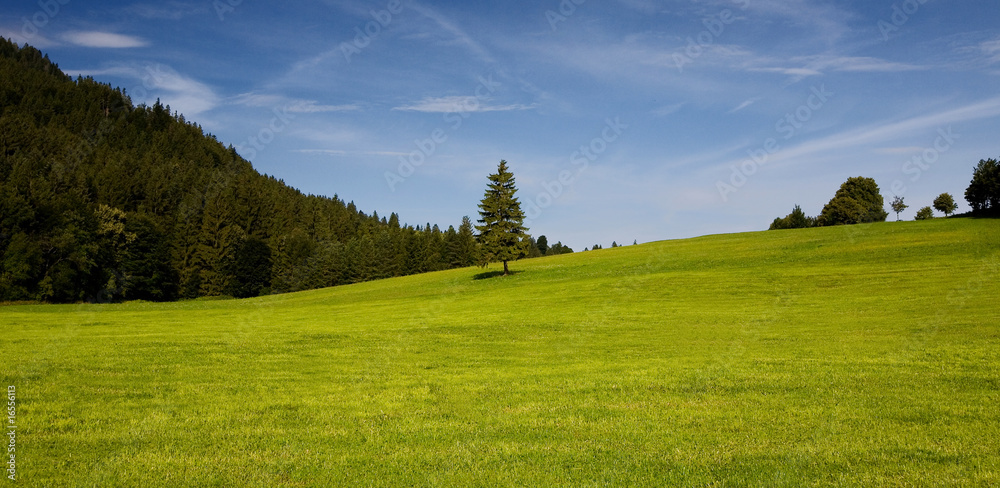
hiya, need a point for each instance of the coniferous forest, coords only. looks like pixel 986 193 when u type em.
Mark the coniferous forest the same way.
pixel 102 200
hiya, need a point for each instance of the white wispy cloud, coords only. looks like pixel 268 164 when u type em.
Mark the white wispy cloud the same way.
pixel 459 35
pixel 26 35
pixel 744 105
pixel 667 109
pixel 639 57
pixel 817 65
pixel 647 7
pixel 992 50
pixel 340 152
pixel 166 10
pixel 458 104
pixel 826 23
pixel 638 60
pixel 794 72
pixel 293 105
pixel 881 133
pixel 157 81
pixel 899 150
pixel 706 157
pixel 859 64
pixel 314 107
pixel 97 39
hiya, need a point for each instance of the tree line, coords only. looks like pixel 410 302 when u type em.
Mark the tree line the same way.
pixel 102 200
pixel 859 201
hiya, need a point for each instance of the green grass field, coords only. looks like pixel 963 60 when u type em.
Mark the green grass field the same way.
pixel 862 355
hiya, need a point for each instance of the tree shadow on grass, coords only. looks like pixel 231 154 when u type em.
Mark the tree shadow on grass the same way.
pixel 493 274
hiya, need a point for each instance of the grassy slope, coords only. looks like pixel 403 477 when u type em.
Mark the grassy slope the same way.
pixel 851 355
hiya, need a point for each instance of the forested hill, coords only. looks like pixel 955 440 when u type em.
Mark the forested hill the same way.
pixel 101 200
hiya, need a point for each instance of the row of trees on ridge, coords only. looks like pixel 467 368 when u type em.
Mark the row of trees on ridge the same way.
pixel 859 201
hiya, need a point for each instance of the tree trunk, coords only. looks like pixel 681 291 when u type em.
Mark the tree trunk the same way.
pixel 505 270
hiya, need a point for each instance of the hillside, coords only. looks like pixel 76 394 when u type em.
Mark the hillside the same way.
pixel 101 200
pixel 863 355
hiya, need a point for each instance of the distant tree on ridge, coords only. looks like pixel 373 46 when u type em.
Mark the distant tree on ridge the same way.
pixel 945 204
pixel 925 214
pixel 983 193
pixel 898 206
pixel 857 201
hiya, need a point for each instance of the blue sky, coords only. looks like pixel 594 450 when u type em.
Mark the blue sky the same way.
pixel 622 120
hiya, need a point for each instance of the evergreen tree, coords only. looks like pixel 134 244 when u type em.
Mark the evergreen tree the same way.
pixel 293 261
pixel 114 241
pixel 533 251
pixel 387 265
pixel 559 248
pixel 502 233
pixel 250 269
pixel 543 244
pixel 451 248
pixel 431 255
pixel 795 220
pixel 219 238
pixel 146 265
pixel 468 254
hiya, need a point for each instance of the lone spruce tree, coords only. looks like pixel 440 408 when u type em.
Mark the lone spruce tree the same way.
pixel 502 234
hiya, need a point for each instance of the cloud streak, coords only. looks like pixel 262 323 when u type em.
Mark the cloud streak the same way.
pixel 891 131
pixel 744 105
pixel 184 94
pixel 461 37
pixel 458 104
pixel 339 152
pixel 292 105
pixel 104 40
pixel 19 36
pixel 818 65
pixel 992 50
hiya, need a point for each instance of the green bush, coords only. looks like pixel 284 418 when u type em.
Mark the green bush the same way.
pixel 925 214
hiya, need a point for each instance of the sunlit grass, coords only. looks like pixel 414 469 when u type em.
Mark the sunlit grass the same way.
pixel 863 355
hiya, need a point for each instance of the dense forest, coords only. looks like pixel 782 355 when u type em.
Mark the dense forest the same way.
pixel 102 200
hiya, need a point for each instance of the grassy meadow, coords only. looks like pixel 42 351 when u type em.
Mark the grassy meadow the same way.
pixel 861 355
